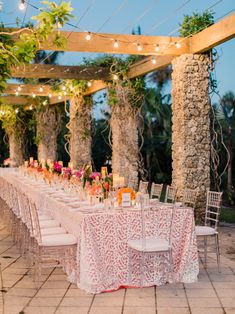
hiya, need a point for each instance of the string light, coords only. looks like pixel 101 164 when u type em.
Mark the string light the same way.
pixel 49 95
pixel 157 48
pixel 31 107
pixel 115 77
pixel 19 88
pixel 178 45
pixel 154 61
pixel 44 103
pixel 17 110
pixel 88 36
pixel 89 84
pixel 41 89
pixel 17 93
pixel 116 44
pixel 63 87
pixel 65 93
pixel 139 47
pixel 59 97
pixel 33 95
pixel 22 5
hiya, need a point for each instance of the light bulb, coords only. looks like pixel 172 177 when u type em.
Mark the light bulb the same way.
pixel 139 47
pixel 88 36
pixel 22 5
pixel 115 77
pixel 17 110
pixel 116 44
pixel 44 103
pixel 33 95
pixel 65 93
pixel 31 107
pixel 154 61
pixel 63 87
pixel 157 48
pixel 59 97
pixel 178 45
pixel 19 88
pixel 89 84
pixel 41 89
pixel 49 95
pixel 17 93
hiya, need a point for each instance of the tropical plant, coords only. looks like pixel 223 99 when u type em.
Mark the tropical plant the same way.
pixel 31 39
pixel 195 23
pixel 225 113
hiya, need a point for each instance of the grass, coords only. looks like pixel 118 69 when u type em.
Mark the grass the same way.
pixel 227 215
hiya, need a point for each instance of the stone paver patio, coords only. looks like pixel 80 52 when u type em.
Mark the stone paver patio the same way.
pixel 213 293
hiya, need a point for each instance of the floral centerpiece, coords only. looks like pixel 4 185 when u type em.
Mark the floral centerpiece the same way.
pixel 7 162
pixel 56 167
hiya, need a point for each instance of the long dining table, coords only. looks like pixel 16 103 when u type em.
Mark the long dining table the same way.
pixel 103 258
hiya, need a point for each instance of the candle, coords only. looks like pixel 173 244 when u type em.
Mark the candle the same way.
pixel 104 172
pixel 70 165
pixel 31 159
pixel 115 180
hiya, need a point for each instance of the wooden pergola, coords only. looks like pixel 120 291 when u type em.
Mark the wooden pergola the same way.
pixel 168 49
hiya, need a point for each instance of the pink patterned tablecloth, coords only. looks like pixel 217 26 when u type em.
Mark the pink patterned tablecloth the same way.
pixel 102 254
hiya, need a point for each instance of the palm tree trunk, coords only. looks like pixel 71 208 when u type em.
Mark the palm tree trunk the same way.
pixel 80 132
pixel 230 150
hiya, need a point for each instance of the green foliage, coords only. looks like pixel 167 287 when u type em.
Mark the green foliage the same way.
pixel 24 50
pixel 227 215
pixel 71 87
pixel 196 23
pixel 10 115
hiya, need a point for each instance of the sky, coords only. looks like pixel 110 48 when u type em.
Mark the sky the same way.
pixel 155 17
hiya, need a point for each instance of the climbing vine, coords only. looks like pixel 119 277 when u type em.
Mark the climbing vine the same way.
pixel 23 50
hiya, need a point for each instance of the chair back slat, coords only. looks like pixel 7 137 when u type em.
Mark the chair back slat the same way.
pixel 170 194
pixel 213 205
pixel 189 198
pixel 143 187
pixel 156 191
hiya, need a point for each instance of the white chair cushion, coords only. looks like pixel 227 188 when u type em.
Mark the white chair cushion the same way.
pixel 58 240
pixel 150 244
pixel 53 230
pixel 48 223
pixel 205 231
pixel 44 217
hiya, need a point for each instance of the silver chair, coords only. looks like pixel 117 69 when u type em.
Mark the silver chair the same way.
pixel 143 187
pixel 156 191
pixel 189 198
pixel 148 247
pixel 209 230
pixel 170 194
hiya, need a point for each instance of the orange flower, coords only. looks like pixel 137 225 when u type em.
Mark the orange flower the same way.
pixel 125 190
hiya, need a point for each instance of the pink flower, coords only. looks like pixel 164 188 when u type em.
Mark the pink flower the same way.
pixel 95 176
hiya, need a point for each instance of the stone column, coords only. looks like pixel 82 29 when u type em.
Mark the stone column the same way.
pixel 80 131
pixel 16 147
pixel 125 152
pixel 191 124
pixel 48 128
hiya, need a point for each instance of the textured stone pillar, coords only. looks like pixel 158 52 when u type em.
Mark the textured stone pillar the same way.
pixel 80 131
pixel 16 148
pixel 48 128
pixel 125 156
pixel 191 124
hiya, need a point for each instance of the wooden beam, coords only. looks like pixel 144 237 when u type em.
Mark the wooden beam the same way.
pixel 14 100
pixel 146 65
pixel 29 89
pixel 59 72
pixel 213 35
pixel 128 44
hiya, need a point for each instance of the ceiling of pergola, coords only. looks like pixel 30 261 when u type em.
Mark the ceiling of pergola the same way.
pixel 103 43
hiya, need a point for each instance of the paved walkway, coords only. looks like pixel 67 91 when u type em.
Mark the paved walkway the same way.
pixel 214 293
